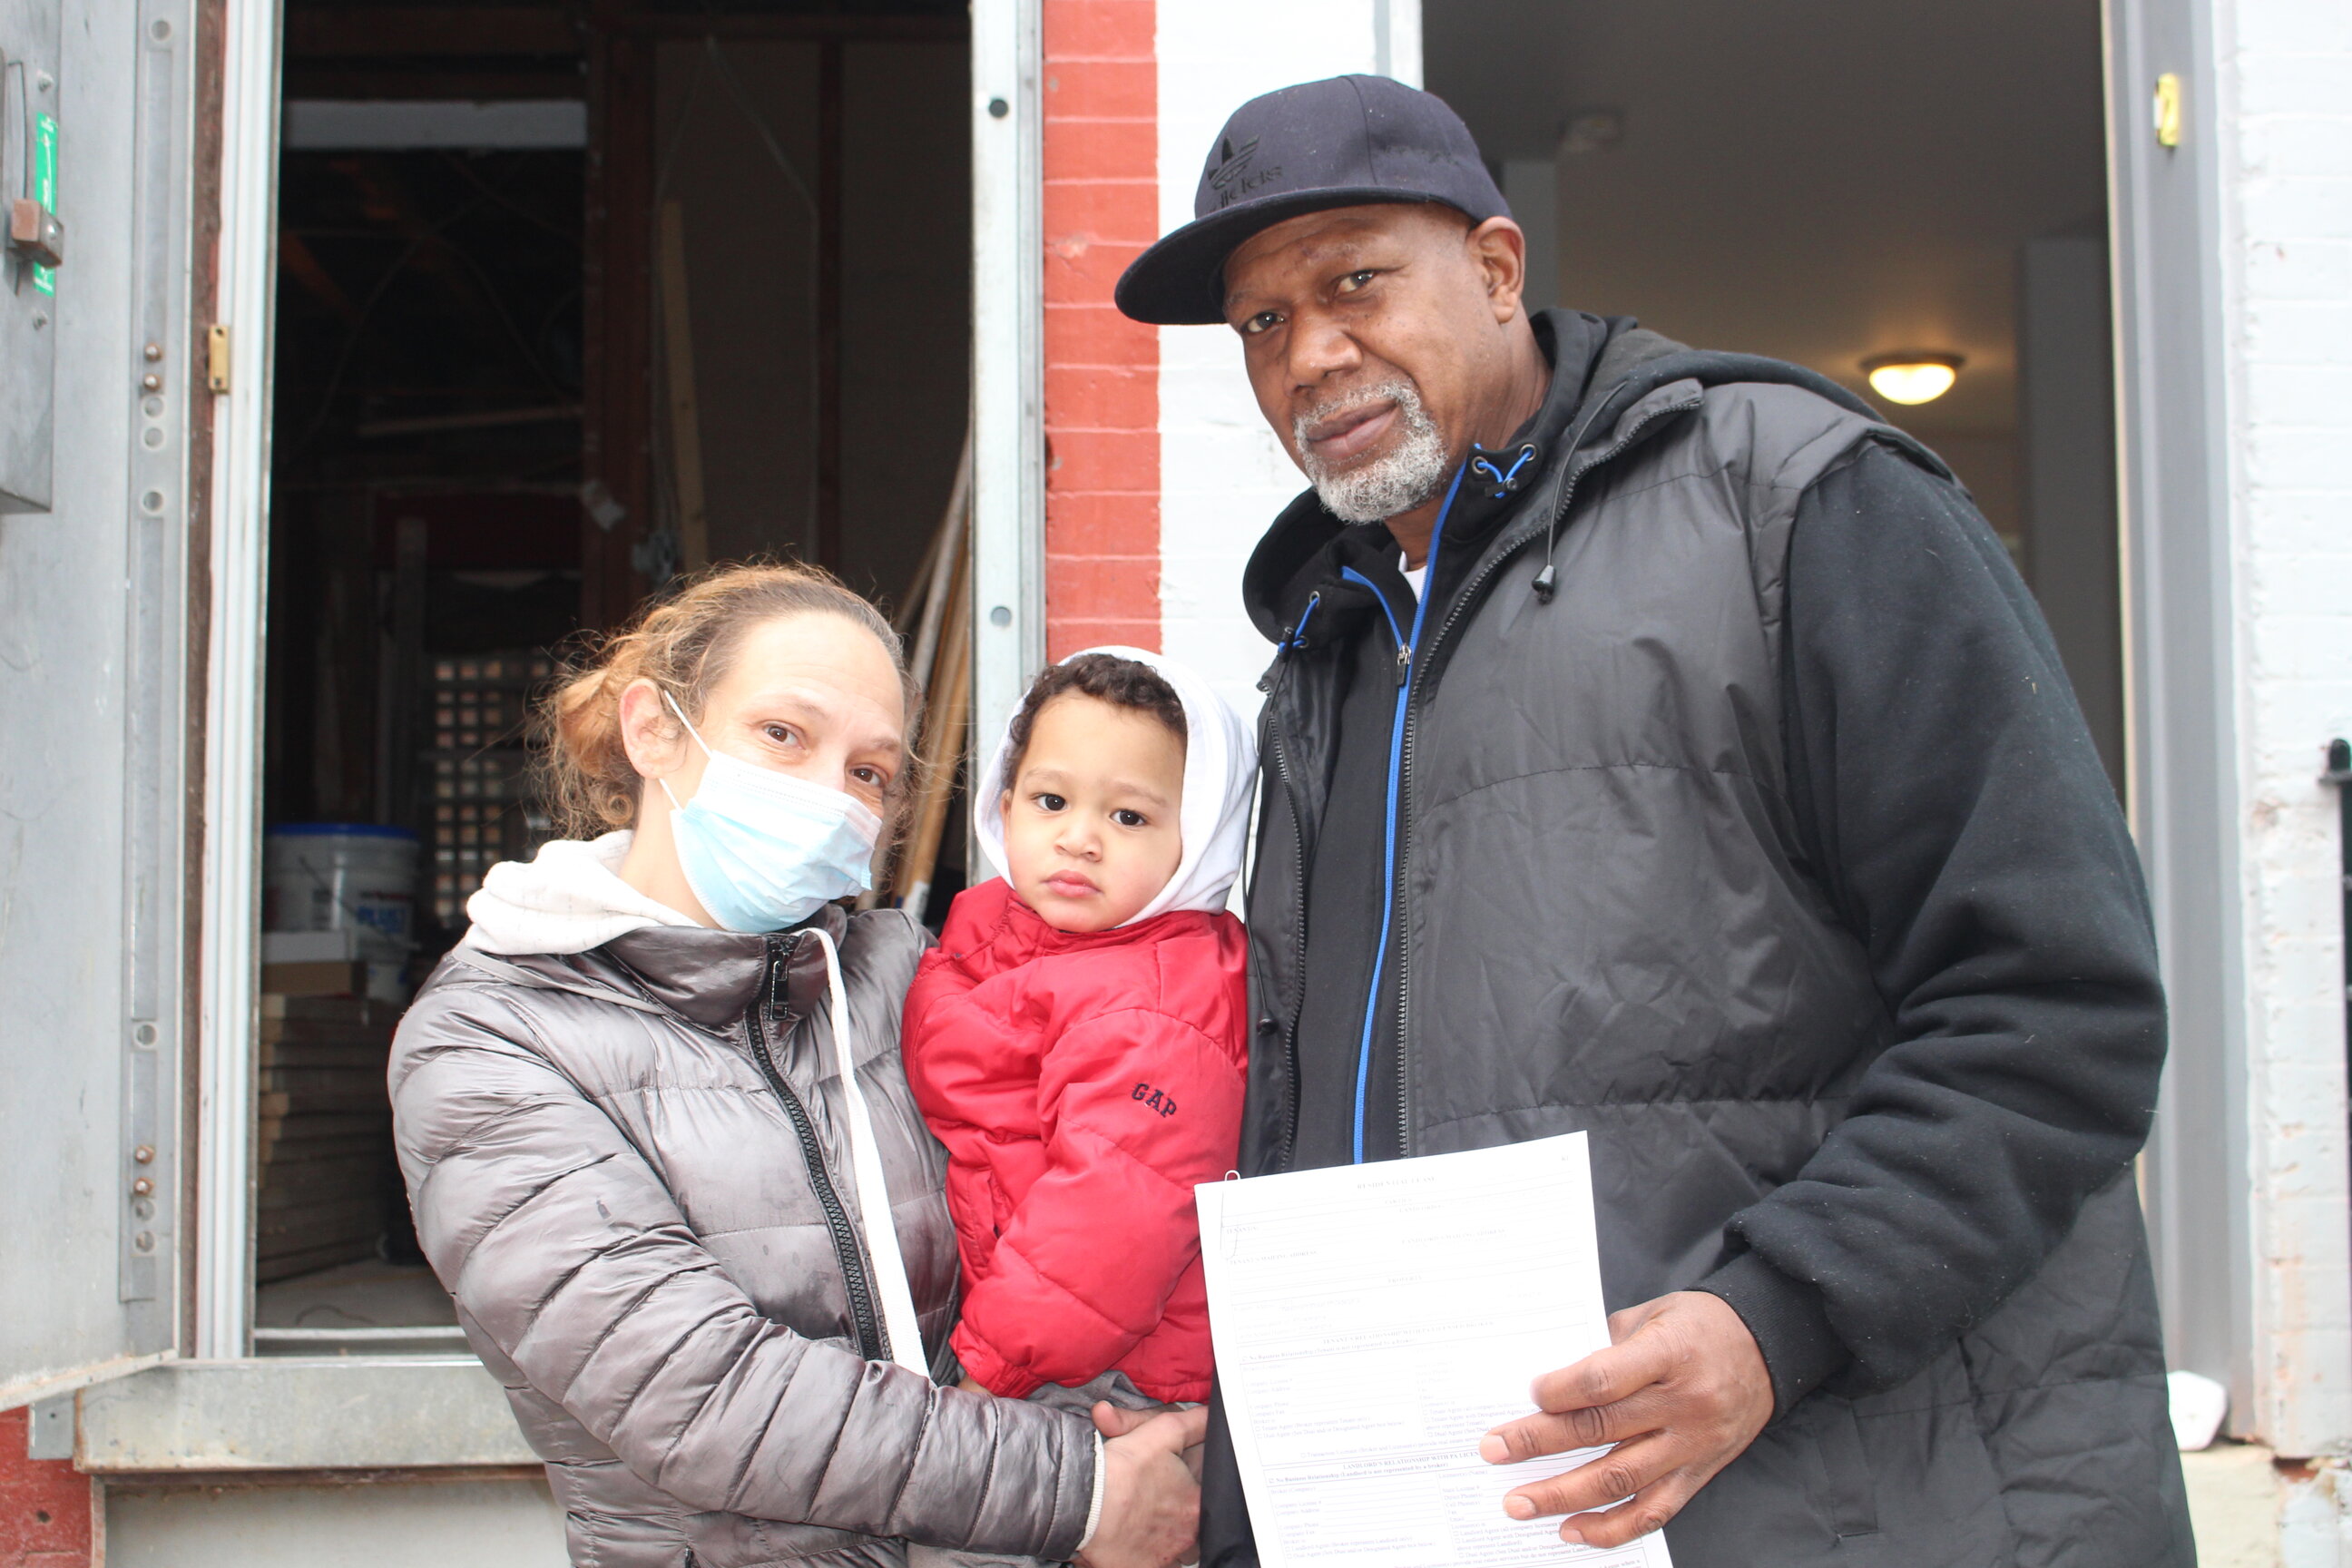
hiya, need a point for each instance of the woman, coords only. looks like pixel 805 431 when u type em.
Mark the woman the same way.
pixel 714 1272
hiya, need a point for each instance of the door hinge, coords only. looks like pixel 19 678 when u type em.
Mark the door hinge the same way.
pixel 2167 109
pixel 216 357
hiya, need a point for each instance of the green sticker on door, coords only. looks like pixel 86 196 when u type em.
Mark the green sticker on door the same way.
pixel 45 187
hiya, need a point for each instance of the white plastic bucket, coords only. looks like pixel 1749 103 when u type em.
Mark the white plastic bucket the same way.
pixel 344 875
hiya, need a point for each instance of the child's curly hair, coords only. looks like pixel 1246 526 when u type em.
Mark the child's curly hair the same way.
pixel 1105 676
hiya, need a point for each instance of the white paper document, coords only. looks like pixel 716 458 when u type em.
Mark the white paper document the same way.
pixel 1374 1321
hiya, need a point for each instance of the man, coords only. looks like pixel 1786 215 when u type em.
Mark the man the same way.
pixel 1658 744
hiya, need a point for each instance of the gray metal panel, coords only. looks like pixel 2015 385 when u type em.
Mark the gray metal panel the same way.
pixel 2181 672
pixel 371 1413
pixel 49 1433
pixel 29 88
pixel 158 350
pixel 416 1524
pixel 92 723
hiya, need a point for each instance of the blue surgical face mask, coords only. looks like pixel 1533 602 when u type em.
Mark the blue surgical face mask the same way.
pixel 764 851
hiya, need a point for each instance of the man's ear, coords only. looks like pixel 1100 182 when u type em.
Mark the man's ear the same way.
pixel 1500 249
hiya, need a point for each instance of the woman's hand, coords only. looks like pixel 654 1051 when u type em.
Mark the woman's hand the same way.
pixel 1150 1503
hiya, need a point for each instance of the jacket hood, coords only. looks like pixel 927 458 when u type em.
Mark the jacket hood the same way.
pixel 568 898
pixel 1219 775
pixel 1599 369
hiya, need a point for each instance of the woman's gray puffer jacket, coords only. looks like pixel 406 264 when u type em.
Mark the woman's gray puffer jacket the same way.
pixel 631 1167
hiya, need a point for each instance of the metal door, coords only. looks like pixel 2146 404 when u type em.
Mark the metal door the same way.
pixel 94 722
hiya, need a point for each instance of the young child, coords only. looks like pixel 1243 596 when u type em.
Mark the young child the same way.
pixel 1078 1038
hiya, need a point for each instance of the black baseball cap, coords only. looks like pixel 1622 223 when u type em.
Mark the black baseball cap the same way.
pixel 1345 142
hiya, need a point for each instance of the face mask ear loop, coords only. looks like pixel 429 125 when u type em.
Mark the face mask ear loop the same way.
pixel 688 723
pixel 698 741
pixel 898 1318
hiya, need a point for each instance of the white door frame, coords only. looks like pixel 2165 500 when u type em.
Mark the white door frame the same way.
pixel 229 973
pixel 1008 391
pixel 2181 676
pixel 1008 553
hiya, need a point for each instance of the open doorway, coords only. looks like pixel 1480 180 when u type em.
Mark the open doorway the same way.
pixel 572 300
pixel 1831 183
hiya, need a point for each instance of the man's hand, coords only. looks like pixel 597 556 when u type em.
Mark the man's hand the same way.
pixel 1682 1391
pixel 1150 1503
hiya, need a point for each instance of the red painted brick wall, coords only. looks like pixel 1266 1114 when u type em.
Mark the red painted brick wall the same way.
pixel 1102 370
pixel 45 1506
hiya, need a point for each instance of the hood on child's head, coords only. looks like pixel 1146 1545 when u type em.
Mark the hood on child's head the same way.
pixel 1220 771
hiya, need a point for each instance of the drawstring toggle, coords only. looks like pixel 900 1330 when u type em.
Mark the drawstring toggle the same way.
pixel 1496 478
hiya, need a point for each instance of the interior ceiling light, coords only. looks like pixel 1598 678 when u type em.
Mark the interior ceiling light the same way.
pixel 1914 375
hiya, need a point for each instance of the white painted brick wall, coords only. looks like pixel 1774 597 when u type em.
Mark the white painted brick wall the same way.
pixel 2286 70
pixel 1223 477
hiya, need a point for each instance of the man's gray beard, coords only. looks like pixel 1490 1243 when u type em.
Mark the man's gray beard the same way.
pixel 1378 490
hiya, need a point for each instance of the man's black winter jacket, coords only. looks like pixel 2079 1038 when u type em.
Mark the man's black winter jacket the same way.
pixel 1728 801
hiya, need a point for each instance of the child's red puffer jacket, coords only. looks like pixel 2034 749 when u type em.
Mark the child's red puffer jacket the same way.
pixel 1082 1084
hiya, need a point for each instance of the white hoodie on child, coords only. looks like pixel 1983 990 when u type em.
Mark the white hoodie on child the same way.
pixel 1219 777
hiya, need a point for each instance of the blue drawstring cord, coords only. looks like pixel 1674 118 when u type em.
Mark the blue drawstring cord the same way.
pixel 1408 649
pixel 1502 481
pixel 1299 632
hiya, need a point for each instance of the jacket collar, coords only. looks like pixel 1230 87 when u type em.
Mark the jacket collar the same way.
pixel 1492 481
pixel 1305 550
pixel 988 930
pixel 1609 377
pixel 710 977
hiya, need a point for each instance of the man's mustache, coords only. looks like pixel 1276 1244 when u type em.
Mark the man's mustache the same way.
pixel 1312 423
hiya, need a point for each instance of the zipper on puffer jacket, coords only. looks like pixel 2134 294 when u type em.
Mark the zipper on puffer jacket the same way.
pixel 1427 659
pixel 852 1257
